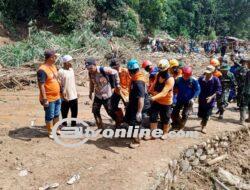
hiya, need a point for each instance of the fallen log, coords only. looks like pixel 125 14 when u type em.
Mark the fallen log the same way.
pixel 218 159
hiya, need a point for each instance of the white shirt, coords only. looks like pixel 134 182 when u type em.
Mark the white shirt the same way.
pixel 67 78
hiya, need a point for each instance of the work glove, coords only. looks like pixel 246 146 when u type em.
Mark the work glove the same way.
pixel 138 116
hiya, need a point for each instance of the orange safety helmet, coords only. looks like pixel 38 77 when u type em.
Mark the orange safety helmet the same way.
pixel 146 63
pixel 215 62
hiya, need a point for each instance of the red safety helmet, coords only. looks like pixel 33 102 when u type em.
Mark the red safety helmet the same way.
pixel 146 63
pixel 187 71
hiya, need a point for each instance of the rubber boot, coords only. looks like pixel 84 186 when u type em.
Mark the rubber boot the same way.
pixel 176 122
pixel 183 123
pixel 166 128
pixel 248 120
pixel 49 126
pixel 242 117
pixel 55 120
pixel 153 126
pixel 221 114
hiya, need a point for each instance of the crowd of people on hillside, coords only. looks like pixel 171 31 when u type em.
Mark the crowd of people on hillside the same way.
pixel 167 95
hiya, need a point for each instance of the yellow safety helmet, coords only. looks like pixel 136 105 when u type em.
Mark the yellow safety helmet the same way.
pixel 163 65
pixel 173 63
pixel 215 62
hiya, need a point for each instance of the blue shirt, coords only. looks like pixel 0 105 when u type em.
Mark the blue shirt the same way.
pixel 187 89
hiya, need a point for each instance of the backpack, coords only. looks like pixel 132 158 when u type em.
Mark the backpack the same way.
pixel 110 78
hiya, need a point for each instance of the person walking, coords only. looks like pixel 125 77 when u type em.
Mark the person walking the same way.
pixel 49 88
pixel 102 80
pixel 162 99
pixel 227 81
pixel 188 89
pixel 243 94
pixel 69 92
pixel 210 88
pixel 138 98
pixel 122 93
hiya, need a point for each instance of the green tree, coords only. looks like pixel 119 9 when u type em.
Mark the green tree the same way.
pixel 151 14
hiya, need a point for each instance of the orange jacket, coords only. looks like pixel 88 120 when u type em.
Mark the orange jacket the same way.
pixel 165 97
pixel 52 86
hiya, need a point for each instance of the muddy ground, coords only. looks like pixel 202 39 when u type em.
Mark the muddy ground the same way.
pixel 101 163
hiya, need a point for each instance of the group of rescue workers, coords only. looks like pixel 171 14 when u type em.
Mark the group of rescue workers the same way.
pixel 168 93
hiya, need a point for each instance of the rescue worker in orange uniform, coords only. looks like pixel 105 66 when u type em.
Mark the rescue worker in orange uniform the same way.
pixel 162 99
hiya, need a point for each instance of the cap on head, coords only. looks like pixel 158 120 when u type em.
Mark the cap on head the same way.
pixel 209 69
pixel 173 63
pixel 163 64
pixel 215 62
pixel 89 62
pixel 146 63
pixel 49 53
pixel 66 58
pixel 225 67
pixel 133 64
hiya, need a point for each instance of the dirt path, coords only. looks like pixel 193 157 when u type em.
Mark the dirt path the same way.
pixel 102 164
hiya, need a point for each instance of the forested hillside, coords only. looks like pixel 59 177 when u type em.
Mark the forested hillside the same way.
pixel 190 18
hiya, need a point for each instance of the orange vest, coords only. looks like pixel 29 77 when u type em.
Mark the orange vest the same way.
pixel 217 74
pixel 125 81
pixel 167 98
pixel 52 87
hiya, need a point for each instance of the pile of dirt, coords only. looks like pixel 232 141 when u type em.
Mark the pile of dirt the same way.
pixel 222 162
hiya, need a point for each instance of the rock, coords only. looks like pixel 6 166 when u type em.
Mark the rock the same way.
pixel 184 165
pixel 224 138
pixel 214 155
pixel 203 158
pixel 199 152
pixel 216 138
pixel 189 152
pixel 228 177
pixel 195 162
pixel 54 185
pixel 203 144
pixel 46 187
pixel 23 173
pixel 210 151
pixel 191 158
pixel 231 137
pixel 1 142
pixel 195 147
pixel 216 145
pixel 208 141
pixel 224 144
pixel 73 179
pixel 51 186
